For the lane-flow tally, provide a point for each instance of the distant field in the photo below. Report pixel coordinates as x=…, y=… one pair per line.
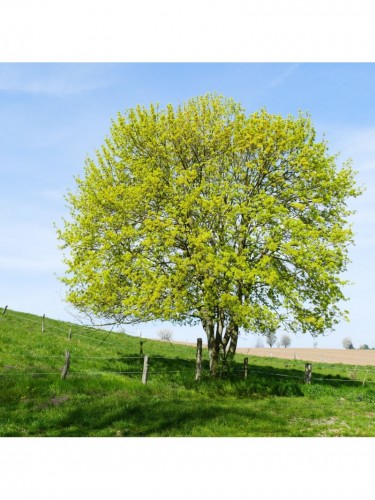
x=345, y=356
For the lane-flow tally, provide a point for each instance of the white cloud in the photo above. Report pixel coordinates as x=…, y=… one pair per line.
x=357, y=143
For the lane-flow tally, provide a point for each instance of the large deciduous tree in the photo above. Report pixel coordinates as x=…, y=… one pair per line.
x=201, y=213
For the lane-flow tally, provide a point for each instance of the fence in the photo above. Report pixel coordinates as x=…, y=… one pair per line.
x=70, y=358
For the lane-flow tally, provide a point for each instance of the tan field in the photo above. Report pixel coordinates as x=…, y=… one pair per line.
x=345, y=356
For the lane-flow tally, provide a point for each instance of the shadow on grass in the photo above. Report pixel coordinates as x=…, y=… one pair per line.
x=171, y=404
x=169, y=418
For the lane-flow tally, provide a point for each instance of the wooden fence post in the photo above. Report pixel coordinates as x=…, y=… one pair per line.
x=64, y=372
x=198, y=372
x=308, y=372
x=145, y=370
x=245, y=366
x=5, y=310
x=44, y=316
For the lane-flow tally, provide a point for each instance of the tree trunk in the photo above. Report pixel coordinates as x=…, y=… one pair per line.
x=220, y=346
x=209, y=328
x=233, y=342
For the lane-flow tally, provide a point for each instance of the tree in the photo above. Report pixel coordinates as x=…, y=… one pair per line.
x=271, y=338
x=347, y=343
x=203, y=214
x=165, y=334
x=285, y=341
x=364, y=347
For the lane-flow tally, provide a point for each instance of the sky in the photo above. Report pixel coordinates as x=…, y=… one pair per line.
x=54, y=115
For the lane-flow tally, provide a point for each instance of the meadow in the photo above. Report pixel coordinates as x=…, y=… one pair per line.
x=103, y=394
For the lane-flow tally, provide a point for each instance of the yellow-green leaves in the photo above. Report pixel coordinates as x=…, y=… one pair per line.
x=202, y=213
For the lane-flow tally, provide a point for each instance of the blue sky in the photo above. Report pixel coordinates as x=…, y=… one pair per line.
x=53, y=115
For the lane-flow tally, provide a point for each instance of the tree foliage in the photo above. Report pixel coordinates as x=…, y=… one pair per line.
x=203, y=214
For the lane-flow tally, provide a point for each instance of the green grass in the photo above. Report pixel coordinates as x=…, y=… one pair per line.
x=96, y=401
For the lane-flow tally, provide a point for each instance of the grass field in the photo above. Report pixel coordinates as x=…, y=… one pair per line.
x=103, y=394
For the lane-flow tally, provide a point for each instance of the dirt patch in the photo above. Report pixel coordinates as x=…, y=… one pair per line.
x=58, y=400
x=54, y=401
x=345, y=356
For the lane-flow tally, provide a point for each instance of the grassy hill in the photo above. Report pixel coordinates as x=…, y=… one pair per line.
x=103, y=394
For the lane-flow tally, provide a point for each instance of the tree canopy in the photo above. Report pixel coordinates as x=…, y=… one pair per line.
x=201, y=213
x=271, y=338
x=285, y=341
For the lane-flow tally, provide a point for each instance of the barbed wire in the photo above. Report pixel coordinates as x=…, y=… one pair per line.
x=28, y=373
x=118, y=358
x=9, y=313
x=77, y=333
x=114, y=358
x=154, y=372
x=250, y=370
x=170, y=371
x=174, y=359
x=106, y=372
x=237, y=370
x=54, y=327
x=31, y=356
x=78, y=356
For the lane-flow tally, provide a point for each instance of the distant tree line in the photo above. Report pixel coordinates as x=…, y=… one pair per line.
x=348, y=344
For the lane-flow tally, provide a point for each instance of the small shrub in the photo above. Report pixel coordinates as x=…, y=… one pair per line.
x=165, y=335
x=347, y=343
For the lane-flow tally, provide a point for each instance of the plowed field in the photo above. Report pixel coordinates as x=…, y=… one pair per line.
x=345, y=356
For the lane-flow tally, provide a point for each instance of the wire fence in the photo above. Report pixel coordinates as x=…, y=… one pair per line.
x=168, y=372
x=54, y=328
x=10, y=371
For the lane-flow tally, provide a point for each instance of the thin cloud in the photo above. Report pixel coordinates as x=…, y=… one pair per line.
x=360, y=143
x=352, y=141
x=56, y=80
x=282, y=77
